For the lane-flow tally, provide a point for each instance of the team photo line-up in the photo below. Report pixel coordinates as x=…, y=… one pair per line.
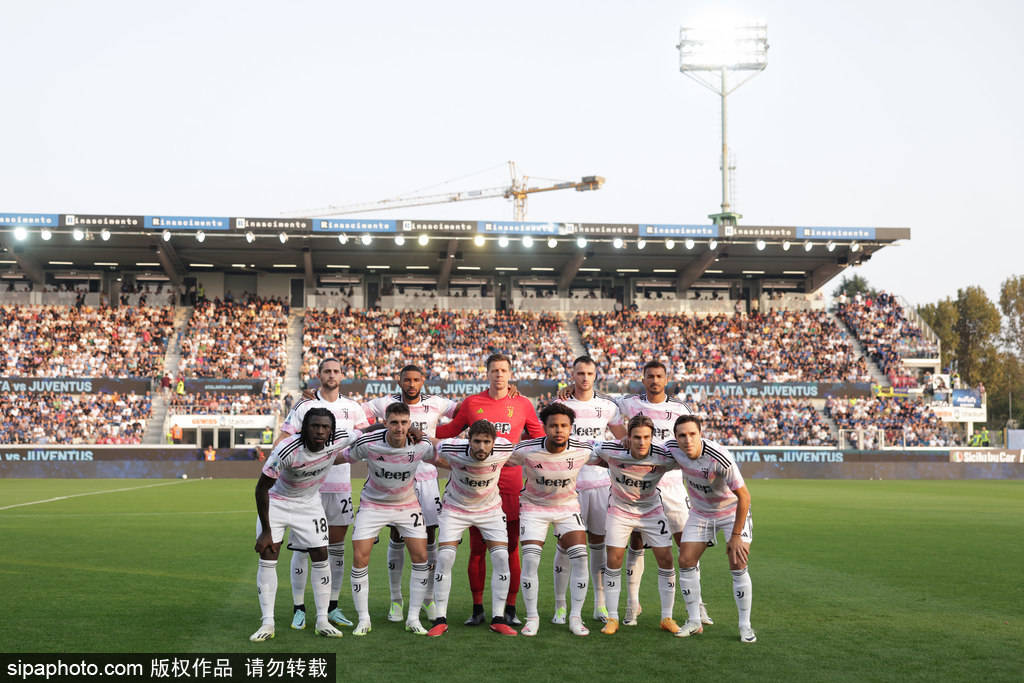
x=656, y=481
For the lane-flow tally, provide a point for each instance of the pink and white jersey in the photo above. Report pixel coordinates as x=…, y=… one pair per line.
x=425, y=414
x=473, y=484
x=300, y=472
x=634, y=488
x=348, y=415
x=663, y=415
x=551, y=477
x=390, y=471
x=591, y=423
x=710, y=479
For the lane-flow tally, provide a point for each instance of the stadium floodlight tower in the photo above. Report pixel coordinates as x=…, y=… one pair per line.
x=723, y=55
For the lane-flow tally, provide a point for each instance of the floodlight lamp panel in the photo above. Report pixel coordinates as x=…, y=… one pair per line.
x=723, y=44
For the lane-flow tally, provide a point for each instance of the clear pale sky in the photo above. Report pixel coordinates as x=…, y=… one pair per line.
x=899, y=114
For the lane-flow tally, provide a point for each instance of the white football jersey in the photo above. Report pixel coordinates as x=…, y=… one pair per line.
x=348, y=415
x=424, y=414
x=473, y=484
x=663, y=415
x=551, y=477
x=710, y=479
x=390, y=471
x=299, y=472
x=591, y=424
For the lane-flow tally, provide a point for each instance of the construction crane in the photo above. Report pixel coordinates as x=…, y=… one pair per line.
x=518, y=190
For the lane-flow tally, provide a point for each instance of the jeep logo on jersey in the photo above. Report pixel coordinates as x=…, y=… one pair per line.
x=588, y=432
x=560, y=483
x=633, y=483
x=397, y=476
x=503, y=427
x=476, y=483
x=699, y=487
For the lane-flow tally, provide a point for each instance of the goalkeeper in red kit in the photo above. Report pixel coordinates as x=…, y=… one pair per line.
x=510, y=416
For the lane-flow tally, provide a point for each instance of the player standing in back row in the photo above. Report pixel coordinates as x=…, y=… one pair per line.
x=335, y=493
x=425, y=412
x=510, y=416
x=595, y=413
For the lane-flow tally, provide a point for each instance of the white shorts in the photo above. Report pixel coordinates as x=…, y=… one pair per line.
x=369, y=522
x=677, y=507
x=594, y=508
x=703, y=530
x=533, y=526
x=339, y=508
x=304, y=518
x=452, y=524
x=430, y=500
x=655, y=530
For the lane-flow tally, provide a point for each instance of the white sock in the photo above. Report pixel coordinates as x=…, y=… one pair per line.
x=561, y=576
x=443, y=578
x=298, y=577
x=689, y=586
x=320, y=575
x=744, y=593
x=431, y=566
x=530, y=556
x=597, y=560
x=579, y=578
x=336, y=555
x=634, y=572
x=499, y=579
x=360, y=580
x=396, y=563
x=612, y=588
x=266, y=588
x=667, y=591
x=418, y=578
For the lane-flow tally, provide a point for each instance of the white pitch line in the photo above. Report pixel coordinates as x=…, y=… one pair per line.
x=90, y=493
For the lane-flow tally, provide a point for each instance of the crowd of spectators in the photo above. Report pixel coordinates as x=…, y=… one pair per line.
x=448, y=345
x=774, y=346
x=880, y=323
x=246, y=338
x=889, y=421
x=82, y=341
x=51, y=418
x=762, y=422
x=223, y=403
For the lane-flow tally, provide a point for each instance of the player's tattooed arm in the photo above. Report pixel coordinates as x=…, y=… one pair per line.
x=567, y=392
x=416, y=435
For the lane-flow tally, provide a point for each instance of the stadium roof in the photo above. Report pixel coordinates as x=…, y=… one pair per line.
x=803, y=258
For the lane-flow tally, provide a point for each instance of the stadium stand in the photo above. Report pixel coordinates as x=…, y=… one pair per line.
x=888, y=336
x=763, y=422
x=83, y=341
x=907, y=422
x=223, y=403
x=448, y=345
x=236, y=339
x=50, y=418
x=778, y=346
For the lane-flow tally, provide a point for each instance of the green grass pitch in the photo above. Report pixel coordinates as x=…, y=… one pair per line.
x=853, y=580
